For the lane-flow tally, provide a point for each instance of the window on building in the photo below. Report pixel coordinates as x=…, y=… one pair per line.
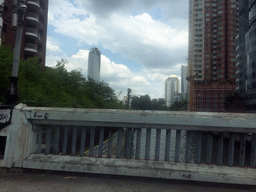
x=198, y=30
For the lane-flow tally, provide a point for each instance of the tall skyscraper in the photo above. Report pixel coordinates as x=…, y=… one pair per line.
x=171, y=89
x=184, y=82
x=94, y=64
x=34, y=29
x=212, y=51
x=246, y=53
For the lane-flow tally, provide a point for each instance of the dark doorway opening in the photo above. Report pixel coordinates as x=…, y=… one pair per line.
x=2, y=146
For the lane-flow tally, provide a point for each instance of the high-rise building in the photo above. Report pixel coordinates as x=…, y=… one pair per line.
x=34, y=28
x=184, y=82
x=171, y=90
x=212, y=51
x=94, y=64
x=246, y=53
x=1, y=20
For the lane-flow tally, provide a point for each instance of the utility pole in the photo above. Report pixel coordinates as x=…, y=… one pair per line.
x=19, y=9
x=128, y=97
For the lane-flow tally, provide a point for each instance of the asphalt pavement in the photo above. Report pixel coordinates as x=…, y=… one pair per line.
x=38, y=181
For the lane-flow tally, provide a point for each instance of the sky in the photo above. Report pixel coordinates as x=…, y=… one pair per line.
x=142, y=42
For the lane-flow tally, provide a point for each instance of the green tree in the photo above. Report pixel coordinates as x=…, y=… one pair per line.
x=54, y=87
x=6, y=58
x=141, y=103
x=178, y=105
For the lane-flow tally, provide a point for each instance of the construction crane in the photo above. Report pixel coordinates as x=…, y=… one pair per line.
x=119, y=95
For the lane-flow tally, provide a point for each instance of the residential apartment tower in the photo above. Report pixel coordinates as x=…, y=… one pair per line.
x=212, y=51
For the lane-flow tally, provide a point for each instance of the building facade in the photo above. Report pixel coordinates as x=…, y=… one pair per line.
x=171, y=90
x=1, y=19
x=246, y=53
x=212, y=48
x=250, y=51
x=94, y=62
x=243, y=22
x=34, y=29
x=184, y=82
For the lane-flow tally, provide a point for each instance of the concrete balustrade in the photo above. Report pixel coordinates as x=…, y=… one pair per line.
x=214, y=147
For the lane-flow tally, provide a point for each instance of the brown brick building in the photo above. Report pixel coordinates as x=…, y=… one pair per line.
x=34, y=31
x=212, y=51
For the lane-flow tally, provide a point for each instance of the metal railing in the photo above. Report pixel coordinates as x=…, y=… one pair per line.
x=35, y=1
x=201, y=138
x=30, y=46
x=33, y=15
x=31, y=30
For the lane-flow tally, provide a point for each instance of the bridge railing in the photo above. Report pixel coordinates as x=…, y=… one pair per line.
x=190, y=137
x=212, y=147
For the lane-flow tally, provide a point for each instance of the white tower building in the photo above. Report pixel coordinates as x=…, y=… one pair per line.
x=94, y=64
x=184, y=82
x=171, y=89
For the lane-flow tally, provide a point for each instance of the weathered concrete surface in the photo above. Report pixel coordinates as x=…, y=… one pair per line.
x=234, y=122
x=143, y=168
x=20, y=141
x=67, y=182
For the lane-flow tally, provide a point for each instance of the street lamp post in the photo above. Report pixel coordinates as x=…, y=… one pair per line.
x=19, y=9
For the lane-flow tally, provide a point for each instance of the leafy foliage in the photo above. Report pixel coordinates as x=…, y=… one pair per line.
x=145, y=103
x=54, y=87
x=179, y=105
x=6, y=58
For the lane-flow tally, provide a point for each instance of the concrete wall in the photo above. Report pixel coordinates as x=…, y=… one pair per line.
x=20, y=139
x=143, y=168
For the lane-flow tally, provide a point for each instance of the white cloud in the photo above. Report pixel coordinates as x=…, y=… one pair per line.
x=52, y=46
x=160, y=47
x=154, y=44
x=118, y=76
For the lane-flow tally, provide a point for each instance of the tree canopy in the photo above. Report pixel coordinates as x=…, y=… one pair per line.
x=145, y=103
x=179, y=105
x=54, y=87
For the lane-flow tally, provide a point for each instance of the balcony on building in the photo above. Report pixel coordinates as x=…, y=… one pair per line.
x=32, y=18
x=31, y=33
x=30, y=48
x=33, y=5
